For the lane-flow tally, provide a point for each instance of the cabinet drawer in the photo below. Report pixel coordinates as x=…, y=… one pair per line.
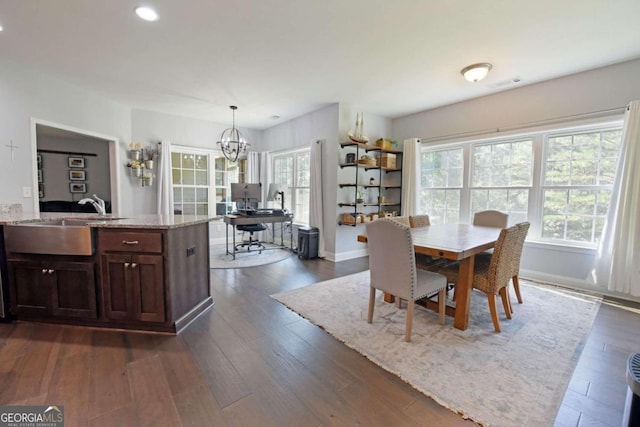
x=130, y=241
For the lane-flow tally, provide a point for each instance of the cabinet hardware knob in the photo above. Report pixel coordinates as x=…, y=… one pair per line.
x=126, y=265
x=44, y=271
x=134, y=265
x=51, y=271
x=129, y=242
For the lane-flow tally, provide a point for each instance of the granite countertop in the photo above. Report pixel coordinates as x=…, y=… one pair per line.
x=151, y=221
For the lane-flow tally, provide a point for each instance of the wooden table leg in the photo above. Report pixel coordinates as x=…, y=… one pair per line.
x=463, y=293
x=389, y=298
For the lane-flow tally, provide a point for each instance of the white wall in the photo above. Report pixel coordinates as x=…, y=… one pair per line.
x=26, y=94
x=591, y=91
x=300, y=132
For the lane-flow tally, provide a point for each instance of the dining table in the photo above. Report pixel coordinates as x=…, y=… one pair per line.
x=455, y=242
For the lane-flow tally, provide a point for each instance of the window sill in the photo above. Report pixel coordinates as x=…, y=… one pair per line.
x=561, y=247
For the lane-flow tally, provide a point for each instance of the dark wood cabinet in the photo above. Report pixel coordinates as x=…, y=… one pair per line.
x=133, y=287
x=45, y=288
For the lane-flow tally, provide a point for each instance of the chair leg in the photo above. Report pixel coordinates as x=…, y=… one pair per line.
x=372, y=300
x=407, y=331
x=505, y=302
x=494, y=311
x=516, y=286
x=442, y=297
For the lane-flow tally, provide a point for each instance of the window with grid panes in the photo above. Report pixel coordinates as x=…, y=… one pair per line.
x=502, y=177
x=441, y=184
x=579, y=170
x=190, y=173
x=293, y=170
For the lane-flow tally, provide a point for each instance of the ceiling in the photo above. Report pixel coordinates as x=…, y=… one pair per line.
x=284, y=58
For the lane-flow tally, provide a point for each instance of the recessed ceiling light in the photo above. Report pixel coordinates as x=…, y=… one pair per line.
x=146, y=13
x=1, y=28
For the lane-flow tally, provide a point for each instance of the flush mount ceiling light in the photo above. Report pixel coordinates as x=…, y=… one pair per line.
x=146, y=13
x=232, y=143
x=476, y=72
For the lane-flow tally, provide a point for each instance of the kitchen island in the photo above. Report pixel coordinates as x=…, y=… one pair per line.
x=148, y=272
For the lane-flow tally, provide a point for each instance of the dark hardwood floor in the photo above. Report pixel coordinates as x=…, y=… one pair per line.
x=251, y=362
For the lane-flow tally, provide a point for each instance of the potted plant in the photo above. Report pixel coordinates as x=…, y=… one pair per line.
x=135, y=151
x=152, y=155
x=136, y=168
x=147, y=179
x=359, y=195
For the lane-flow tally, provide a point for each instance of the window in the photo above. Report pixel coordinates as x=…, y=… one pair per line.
x=293, y=170
x=501, y=178
x=560, y=181
x=441, y=184
x=201, y=181
x=190, y=172
x=578, y=177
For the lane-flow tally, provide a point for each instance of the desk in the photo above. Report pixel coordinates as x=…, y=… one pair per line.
x=456, y=242
x=233, y=220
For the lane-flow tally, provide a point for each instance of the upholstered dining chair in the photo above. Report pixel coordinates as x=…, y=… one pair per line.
x=404, y=220
x=493, y=278
x=425, y=262
x=491, y=218
x=393, y=270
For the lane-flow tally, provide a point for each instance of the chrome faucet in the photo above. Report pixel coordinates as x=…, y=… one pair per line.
x=98, y=203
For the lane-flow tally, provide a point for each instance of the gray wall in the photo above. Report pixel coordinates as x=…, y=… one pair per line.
x=596, y=90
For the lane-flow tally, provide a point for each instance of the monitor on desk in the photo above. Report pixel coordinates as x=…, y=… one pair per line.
x=246, y=195
x=274, y=191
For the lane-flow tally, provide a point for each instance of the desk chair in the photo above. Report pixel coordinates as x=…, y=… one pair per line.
x=250, y=228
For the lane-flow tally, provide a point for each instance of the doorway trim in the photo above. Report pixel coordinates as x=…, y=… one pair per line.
x=114, y=171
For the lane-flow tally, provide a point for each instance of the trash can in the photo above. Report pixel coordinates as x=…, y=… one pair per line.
x=632, y=404
x=308, y=242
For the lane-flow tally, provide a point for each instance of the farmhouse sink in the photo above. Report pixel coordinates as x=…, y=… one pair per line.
x=62, y=236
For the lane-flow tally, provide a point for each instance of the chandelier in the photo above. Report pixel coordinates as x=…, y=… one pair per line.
x=232, y=143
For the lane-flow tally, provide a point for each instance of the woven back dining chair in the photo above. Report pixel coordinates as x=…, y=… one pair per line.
x=393, y=270
x=419, y=220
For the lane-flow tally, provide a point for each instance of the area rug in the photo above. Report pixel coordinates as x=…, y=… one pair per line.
x=218, y=257
x=514, y=378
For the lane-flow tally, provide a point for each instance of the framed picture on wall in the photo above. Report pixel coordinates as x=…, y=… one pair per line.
x=40, y=191
x=39, y=161
x=77, y=175
x=76, y=162
x=39, y=175
x=77, y=187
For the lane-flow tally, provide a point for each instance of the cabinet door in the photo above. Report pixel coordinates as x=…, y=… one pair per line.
x=148, y=287
x=133, y=287
x=117, y=291
x=73, y=290
x=31, y=293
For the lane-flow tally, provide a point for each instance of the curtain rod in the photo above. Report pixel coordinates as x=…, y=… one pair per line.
x=525, y=125
x=69, y=153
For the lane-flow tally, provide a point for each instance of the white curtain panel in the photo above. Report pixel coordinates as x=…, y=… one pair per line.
x=410, y=176
x=253, y=174
x=618, y=259
x=265, y=173
x=165, y=181
x=316, y=210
